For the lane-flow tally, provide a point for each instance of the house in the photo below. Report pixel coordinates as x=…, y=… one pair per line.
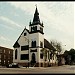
x=6, y=56
x=27, y=48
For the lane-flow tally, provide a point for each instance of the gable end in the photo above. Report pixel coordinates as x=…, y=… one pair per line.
x=16, y=45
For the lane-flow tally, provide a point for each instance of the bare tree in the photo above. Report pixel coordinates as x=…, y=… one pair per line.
x=56, y=45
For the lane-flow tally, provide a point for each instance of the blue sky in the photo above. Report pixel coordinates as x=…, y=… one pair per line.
x=58, y=19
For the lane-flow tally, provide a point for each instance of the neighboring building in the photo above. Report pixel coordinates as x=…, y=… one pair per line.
x=6, y=56
x=27, y=48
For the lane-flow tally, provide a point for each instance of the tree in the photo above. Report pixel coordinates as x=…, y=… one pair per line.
x=72, y=53
x=56, y=45
x=66, y=56
x=70, y=56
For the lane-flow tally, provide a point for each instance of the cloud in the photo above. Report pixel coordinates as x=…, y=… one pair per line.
x=9, y=21
x=5, y=41
x=8, y=27
x=55, y=13
x=4, y=38
x=57, y=17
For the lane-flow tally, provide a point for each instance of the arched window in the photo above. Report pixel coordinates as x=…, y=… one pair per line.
x=41, y=29
x=33, y=58
x=34, y=28
x=16, y=54
x=51, y=56
x=33, y=44
x=41, y=55
x=41, y=44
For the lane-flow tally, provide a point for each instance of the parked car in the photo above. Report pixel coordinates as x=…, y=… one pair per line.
x=13, y=65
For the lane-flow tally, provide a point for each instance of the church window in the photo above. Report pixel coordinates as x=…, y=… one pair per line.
x=24, y=56
x=25, y=47
x=34, y=28
x=33, y=50
x=41, y=55
x=41, y=29
x=41, y=44
x=51, y=56
x=16, y=54
x=33, y=43
x=24, y=34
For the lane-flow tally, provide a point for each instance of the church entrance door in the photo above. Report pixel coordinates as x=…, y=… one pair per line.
x=33, y=61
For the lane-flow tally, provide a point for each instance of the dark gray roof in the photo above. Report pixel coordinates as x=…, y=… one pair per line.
x=48, y=45
x=16, y=45
x=36, y=19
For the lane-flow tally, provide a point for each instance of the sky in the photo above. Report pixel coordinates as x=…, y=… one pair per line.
x=57, y=17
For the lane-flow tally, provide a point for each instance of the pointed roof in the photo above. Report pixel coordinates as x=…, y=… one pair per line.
x=22, y=32
x=16, y=43
x=36, y=16
x=36, y=19
x=48, y=45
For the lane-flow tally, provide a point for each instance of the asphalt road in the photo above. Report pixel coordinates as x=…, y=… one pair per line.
x=39, y=70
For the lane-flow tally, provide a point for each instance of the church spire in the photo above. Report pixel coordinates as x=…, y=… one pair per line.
x=36, y=19
x=36, y=16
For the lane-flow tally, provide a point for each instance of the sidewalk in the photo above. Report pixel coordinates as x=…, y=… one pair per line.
x=48, y=67
x=2, y=66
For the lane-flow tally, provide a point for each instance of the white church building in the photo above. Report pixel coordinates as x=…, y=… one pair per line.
x=27, y=48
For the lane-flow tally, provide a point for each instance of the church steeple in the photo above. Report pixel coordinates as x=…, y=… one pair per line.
x=36, y=19
x=36, y=26
x=36, y=16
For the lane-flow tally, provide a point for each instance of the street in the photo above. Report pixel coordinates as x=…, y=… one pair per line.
x=39, y=70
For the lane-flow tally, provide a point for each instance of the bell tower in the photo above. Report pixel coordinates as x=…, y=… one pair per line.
x=36, y=38
x=36, y=25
